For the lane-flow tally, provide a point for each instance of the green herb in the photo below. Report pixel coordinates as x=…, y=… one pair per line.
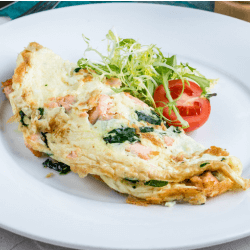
x=131, y=180
x=44, y=138
x=223, y=159
x=46, y=85
x=154, y=183
x=77, y=69
x=202, y=81
x=146, y=129
x=152, y=119
x=41, y=110
x=57, y=166
x=121, y=135
x=177, y=130
x=142, y=68
x=21, y=113
x=127, y=42
x=204, y=164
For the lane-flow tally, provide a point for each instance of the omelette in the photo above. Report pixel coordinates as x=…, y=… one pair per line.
x=78, y=119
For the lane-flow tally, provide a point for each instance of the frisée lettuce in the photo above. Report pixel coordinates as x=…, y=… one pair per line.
x=141, y=69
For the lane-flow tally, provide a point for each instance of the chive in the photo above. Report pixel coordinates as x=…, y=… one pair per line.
x=57, y=166
x=155, y=183
x=46, y=85
x=204, y=164
x=21, y=113
x=146, y=129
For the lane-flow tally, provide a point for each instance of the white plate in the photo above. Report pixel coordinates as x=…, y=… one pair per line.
x=84, y=213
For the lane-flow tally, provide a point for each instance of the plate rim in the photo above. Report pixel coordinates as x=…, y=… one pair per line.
x=90, y=6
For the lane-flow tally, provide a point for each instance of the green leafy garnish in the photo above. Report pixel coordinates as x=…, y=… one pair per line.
x=57, y=166
x=146, y=129
x=154, y=183
x=152, y=119
x=121, y=135
x=21, y=113
x=202, y=81
x=204, y=164
x=223, y=159
x=141, y=69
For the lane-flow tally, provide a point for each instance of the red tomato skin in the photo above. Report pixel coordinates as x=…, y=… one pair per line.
x=196, y=114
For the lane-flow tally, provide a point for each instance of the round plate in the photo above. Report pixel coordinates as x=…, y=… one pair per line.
x=84, y=213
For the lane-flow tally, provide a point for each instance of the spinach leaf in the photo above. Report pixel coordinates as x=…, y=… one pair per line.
x=41, y=110
x=204, y=164
x=152, y=119
x=77, y=69
x=131, y=180
x=146, y=129
x=45, y=139
x=121, y=135
x=57, y=166
x=155, y=183
x=177, y=130
x=21, y=113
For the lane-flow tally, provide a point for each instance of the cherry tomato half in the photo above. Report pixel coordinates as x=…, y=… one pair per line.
x=192, y=107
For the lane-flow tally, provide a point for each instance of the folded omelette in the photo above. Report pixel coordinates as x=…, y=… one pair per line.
x=78, y=119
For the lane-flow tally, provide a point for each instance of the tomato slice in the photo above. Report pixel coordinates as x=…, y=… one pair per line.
x=192, y=107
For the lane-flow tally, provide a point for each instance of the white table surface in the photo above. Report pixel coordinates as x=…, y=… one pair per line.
x=11, y=241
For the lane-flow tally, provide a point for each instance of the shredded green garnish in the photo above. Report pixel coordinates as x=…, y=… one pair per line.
x=142, y=68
